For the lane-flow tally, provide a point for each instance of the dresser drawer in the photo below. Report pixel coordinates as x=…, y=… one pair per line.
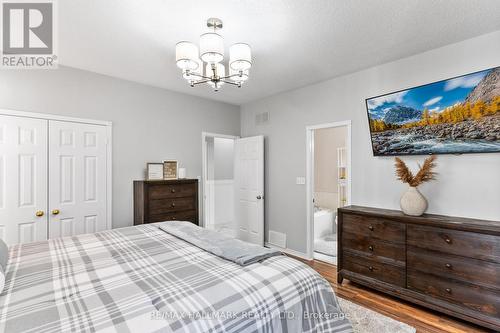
x=160, y=206
x=467, y=296
x=373, y=269
x=373, y=247
x=374, y=227
x=190, y=215
x=171, y=191
x=462, y=243
x=474, y=271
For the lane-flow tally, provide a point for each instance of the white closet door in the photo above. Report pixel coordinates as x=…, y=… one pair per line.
x=249, y=182
x=23, y=179
x=77, y=175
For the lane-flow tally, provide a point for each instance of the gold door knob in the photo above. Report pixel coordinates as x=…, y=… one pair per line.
x=55, y=211
x=39, y=213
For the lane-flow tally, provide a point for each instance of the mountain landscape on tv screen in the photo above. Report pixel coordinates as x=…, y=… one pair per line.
x=459, y=115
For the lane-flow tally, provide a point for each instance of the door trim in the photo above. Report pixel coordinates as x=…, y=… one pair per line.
x=48, y=116
x=204, y=136
x=109, y=149
x=310, y=175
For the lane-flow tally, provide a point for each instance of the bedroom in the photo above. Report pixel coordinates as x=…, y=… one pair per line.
x=113, y=106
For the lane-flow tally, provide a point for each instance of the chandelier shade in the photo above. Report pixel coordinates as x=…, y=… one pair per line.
x=240, y=57
x=211, y=47
x=186, y=56
x=206, y=66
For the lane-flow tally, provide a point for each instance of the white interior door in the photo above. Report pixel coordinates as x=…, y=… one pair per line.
x=249, y=183
x=23, y=179
x=77, y=174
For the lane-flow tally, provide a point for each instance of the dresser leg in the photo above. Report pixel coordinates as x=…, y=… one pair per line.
x=340, y=278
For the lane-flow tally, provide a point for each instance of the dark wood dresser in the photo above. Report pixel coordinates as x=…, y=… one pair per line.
x=449, y=264
x=163, y=200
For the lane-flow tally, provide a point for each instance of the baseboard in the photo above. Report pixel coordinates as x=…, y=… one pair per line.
x=288, y=251
x=325, y=258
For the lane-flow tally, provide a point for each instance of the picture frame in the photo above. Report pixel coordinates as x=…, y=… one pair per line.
x=155, y=171
x=170, y=169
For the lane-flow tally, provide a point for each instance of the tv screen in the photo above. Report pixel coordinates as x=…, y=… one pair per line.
x=455, y=116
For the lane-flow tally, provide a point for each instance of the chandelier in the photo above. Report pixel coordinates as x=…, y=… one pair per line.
x=206, y=65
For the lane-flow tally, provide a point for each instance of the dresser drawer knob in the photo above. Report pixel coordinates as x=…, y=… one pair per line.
x=370, y=268
x=447, y=240
x=448, y=266
x=172, y=190
x=173, y=204
x=371, y=228
x=173, y=218
x=448, y=290
x=370, y=248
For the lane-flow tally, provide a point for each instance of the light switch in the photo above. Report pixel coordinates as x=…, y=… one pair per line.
x=300, y=181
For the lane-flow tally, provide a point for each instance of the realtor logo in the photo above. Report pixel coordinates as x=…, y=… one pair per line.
x=28, y=35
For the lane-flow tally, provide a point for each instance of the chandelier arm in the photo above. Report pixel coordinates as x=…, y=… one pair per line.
x=199, y=82
x=229, y=82
x=230, y=76
x=200, y=76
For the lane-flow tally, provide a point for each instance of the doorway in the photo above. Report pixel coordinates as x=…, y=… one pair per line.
x=328, y=185
x=218, y=183
x=233, y=186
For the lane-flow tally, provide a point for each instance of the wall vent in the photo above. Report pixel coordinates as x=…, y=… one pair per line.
x=277, y=239
x=262, y=118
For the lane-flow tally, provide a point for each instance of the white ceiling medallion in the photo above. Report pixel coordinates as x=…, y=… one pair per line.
x=210, y=69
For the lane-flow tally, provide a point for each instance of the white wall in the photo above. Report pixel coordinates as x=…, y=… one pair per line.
x=220, y=183
x=149, y=124
x=326, y=142
x=224, y=182
x=467, y=185
x=223, y=158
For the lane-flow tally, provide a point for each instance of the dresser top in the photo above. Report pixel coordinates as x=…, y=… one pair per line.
x=452, y=222
x=167, y=181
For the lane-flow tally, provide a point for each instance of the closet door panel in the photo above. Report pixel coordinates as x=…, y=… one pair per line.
x=77, y=164
x=23, y=179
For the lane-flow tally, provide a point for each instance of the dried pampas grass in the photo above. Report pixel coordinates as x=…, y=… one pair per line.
x=425, y=173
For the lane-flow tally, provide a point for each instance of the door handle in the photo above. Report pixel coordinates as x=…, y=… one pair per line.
x=55, y=211
x=259, y=197
x=39, y=213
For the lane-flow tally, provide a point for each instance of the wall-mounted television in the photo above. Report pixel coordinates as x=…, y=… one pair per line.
x=455, y=116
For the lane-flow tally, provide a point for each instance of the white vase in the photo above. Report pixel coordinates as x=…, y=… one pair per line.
x=413, y=202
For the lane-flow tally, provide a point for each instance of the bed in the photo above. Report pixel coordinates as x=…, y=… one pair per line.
x=143, y=279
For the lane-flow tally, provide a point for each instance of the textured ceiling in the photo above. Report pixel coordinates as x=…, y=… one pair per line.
x=294, y=42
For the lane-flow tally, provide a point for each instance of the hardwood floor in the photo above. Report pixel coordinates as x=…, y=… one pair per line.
x=424, y=320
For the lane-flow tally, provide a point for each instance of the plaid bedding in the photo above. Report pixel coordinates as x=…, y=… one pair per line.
x=142, y=279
